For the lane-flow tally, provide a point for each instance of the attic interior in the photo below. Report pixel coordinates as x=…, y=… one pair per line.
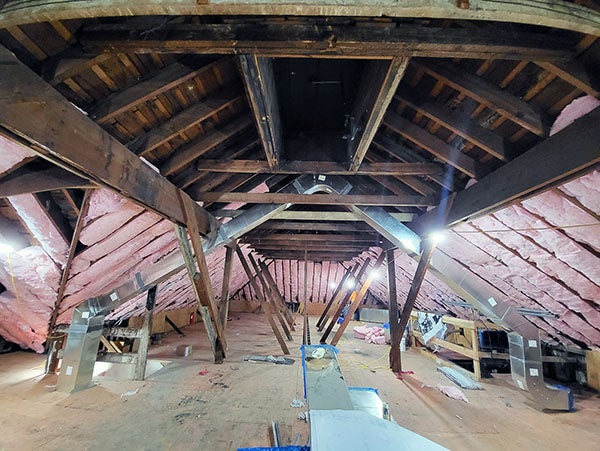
x=234, y=179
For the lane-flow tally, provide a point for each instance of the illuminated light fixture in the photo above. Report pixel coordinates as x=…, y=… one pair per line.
x=6, y=248
x=437, y=237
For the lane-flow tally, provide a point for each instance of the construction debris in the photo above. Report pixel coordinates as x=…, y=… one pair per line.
x=460, y=379
x=268, y=359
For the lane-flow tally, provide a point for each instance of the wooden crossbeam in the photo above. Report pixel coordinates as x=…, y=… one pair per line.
x=574, y=73
x=379, y=83
x=488, y=94
x=274, y=39
x=24, y=180
x=317, y=167
x=41, y=123
x=315, y=226
x=458, y=123
x=316, y=199
x=259, y=81
x=338, y=256
x=303, y=237
x=436, y=146
x=328, y=215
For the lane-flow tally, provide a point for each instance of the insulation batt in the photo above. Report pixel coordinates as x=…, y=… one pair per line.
x=39, y=224
x=585, y=189
x=12, y=154
x=573, y=111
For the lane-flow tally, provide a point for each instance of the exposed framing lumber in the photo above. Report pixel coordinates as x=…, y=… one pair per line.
x=328, y=226
x=395, y=332
x=106, y=161
x=304, y=237
x=328, y=215
x=24, y=181
x=434, y=145
x=274, y=39
x=458, y=123
x=358, y=299
x=317, y=167
x=145, y=332
x=259, y=81
x=379, y=84
x=64, y=277
x=325, y=315
x=548, y=13
x=311, y=255
x=542, y=167
x=486, y=93
x=575, y=73
x=224, y=308
x=267, y=307
x=276, y=293
x=316, y=199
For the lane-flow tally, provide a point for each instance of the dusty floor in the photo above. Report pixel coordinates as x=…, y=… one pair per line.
x=233, y=404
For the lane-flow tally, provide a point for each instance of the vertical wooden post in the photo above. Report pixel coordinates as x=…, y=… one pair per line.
x=395, y=332
x=345, y=300
x=146, y=331
x=224, y=310
x=357, y=300
x=276, y=293
x=265, y=305
x=323, y=317
x=475, y=347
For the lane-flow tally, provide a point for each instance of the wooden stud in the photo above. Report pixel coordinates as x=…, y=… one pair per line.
x=395, y=332
x=140, y=367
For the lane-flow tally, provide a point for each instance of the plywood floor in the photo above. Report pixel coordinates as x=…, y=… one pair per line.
x=233, y=404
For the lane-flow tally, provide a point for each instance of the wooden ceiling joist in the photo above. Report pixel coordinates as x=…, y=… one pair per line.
x=276, y=39
x=316, y=199
x=437, y=147
x=488, y=94
x=259, y=81
x=314, y=226
x=332, y=216
x=50, y=178
x=302, y=237
x=317, y=167
x=82, y=148
x=575, y=73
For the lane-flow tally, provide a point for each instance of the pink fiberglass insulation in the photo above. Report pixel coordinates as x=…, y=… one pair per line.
x=107, y=213
x=41, y=227
x=13, y=154
x=586, y=189
x=31, y=279
x=559, y=212
x=573, y=111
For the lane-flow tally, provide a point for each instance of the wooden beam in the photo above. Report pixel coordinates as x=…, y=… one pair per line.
x=331, y=216
x=436, y=146
x=146, y=331
x=312, y=247
x=542, y=167
x=312, y=256
x=224, y=308
x=41, y=124
x=574, y=73
x=267, y=307
x=191, y=116
x=357, y=300
x=275, y=39
x=317, y=167
x=325, y=315
x=36, y=180
x=379, y=83
x=259, y=81
x=187, y=154
x=276, y=293
x=395, y=332
x=316, y=199
x=458, y=123
x=315, y=226
x=123, y=100
x=304, y=237
x=486, y=93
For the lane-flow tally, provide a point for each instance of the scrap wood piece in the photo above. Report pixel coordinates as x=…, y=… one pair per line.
x=460, y=379
x=268, y=359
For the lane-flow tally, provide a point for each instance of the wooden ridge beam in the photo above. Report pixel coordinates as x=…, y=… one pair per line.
x=272, y=39
x=316, y=199
x=436, y=146
x=187, y=154
x=458, y=123
x=317, y=167
x=191, y=116
x=378, y=85
x=486, y=93
x=41, y=124
x=259, y=81
x=542, y=167
x=123, y=100
x=24, y=180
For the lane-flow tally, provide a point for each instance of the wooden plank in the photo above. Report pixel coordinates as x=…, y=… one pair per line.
x=358, y=299
x=41, y=123
x=274, y=39
x=144, y=90
x=487, y=94
x=24, y=180
x=315, y=226
x=259, y=81
x=317, y=167
x=276, y=293
x=395, y=332
x=267, y=307
x=325, y=315
x=331, y=216
x=574, y=73
x=303, y=237
x=204, y=144
x=436, y=146
x=380, y=81
x=140, y=364
x=592, y=360
x=195, y=114
x=542, y=167
x=458, y=123
x=316, y=199
x=224, y=309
